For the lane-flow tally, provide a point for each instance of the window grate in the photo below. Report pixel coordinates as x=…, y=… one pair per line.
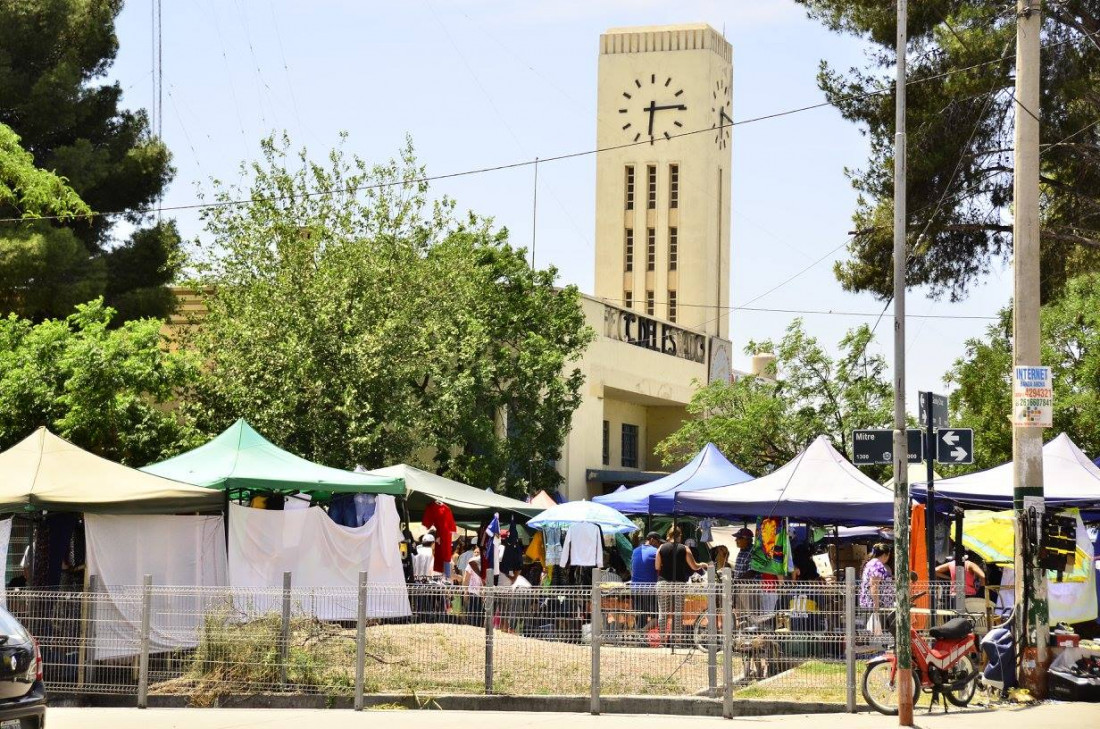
x=673, y=248
x=650, y=249
x=673, y=186
x=630, y=187
x=628, y=250
x=651, y=187
x=630, y=446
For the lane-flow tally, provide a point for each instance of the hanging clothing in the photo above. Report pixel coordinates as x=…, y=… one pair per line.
x=536, y=550
x=512, y=558
x=552, y=535
x=438, y=515
x=583, y=546
x=341, y=509
x=770, y=547
x=364, y=508
x=705, y=526
x=490, y=539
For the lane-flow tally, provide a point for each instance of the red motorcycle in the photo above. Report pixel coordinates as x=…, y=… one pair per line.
x=947, y=668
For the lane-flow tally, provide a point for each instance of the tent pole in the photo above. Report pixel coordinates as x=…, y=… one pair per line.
x=225, y=521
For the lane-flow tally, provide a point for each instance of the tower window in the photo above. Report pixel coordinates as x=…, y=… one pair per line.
x=651, y=187
x=649, y=303
x=650, y=249
x=628, y=299
x=630, y=187
x=628, y=253
x=606, y=443
x=673, y=186
x=630, y=446
x=673, y=248
x=672, y=306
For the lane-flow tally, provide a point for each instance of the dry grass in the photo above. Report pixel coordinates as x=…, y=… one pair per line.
x=428, y=658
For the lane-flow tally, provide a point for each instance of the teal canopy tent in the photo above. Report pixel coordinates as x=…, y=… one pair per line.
x=240, y=459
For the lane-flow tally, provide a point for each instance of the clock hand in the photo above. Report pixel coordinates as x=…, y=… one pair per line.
x=723, y=115
x=680, y=107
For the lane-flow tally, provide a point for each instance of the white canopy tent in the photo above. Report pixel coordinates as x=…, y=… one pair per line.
x=818, y=485
x=45, y=472
x=1070, y=479
x=422, y=486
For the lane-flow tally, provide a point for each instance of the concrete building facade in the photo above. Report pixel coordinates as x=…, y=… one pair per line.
x=660, y=309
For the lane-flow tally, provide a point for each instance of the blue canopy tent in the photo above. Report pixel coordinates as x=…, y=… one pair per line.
x=708, y=470
x=819, y=485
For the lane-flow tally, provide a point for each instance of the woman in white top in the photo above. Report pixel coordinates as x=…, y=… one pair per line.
x=472, y=582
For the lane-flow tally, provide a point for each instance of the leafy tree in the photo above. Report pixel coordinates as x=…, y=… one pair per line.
x=53, y=57
x=960, y=124
x=29, y=192
x=357, y=322
x=761, y=423
x=1071, y=347
x=105, y=388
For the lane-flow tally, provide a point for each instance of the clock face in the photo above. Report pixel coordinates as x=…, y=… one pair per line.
x=652, y=108
x=720, y=110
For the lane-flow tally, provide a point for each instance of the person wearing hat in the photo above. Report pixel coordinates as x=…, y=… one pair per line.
x=743, y=539
x=424, y=557
x=643, y=580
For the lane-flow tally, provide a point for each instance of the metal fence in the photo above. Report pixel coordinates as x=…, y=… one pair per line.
x=800, y=641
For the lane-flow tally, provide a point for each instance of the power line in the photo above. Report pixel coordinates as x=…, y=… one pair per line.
x=526, y=163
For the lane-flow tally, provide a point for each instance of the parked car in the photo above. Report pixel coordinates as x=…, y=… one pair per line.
x=22, y=693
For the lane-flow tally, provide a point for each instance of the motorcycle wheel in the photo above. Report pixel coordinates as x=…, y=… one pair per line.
x=961, y=697
x=880, y=691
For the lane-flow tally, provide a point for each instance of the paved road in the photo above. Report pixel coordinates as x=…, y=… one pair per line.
x=1050, y=716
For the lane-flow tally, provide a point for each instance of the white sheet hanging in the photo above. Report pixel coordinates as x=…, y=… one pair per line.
x=5, y=540
x=320, y=554
x=180, y=551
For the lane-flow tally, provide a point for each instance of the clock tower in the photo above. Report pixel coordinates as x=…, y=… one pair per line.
x=664, y=110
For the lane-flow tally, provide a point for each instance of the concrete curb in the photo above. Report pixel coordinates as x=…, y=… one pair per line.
x=683, y=706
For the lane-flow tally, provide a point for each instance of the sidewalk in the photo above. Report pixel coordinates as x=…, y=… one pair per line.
x=1050, y=716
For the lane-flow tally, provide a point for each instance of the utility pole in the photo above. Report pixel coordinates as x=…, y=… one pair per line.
x=1027, y=442
x=901, y=445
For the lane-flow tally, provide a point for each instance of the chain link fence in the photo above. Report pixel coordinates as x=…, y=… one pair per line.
x=796, y=641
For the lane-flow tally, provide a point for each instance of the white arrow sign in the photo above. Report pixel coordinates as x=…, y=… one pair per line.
x=955, y=445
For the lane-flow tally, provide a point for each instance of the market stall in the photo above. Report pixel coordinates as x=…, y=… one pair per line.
x=709, y=469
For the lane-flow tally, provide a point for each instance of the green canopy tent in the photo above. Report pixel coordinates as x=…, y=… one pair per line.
x=240, y=459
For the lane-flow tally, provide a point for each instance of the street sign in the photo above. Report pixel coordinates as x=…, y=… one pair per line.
x=877, y=446
x=939, y=410
x=955, y=445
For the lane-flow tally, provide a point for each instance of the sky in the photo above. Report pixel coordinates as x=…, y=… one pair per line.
x=481, y=83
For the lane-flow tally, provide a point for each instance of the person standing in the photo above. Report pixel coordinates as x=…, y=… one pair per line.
x=643, y=580
x=675, y=565
x=974, y=577
x=876, y=587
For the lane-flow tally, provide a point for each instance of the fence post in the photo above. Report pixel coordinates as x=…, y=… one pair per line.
x=143, y=665
x=597, y=630
x=960, y=587
x=360, y=641
x=712, y=632
x=727, y=642
x=488, y=606
x=87, y=630
x=850, y=635
x=284, y=632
